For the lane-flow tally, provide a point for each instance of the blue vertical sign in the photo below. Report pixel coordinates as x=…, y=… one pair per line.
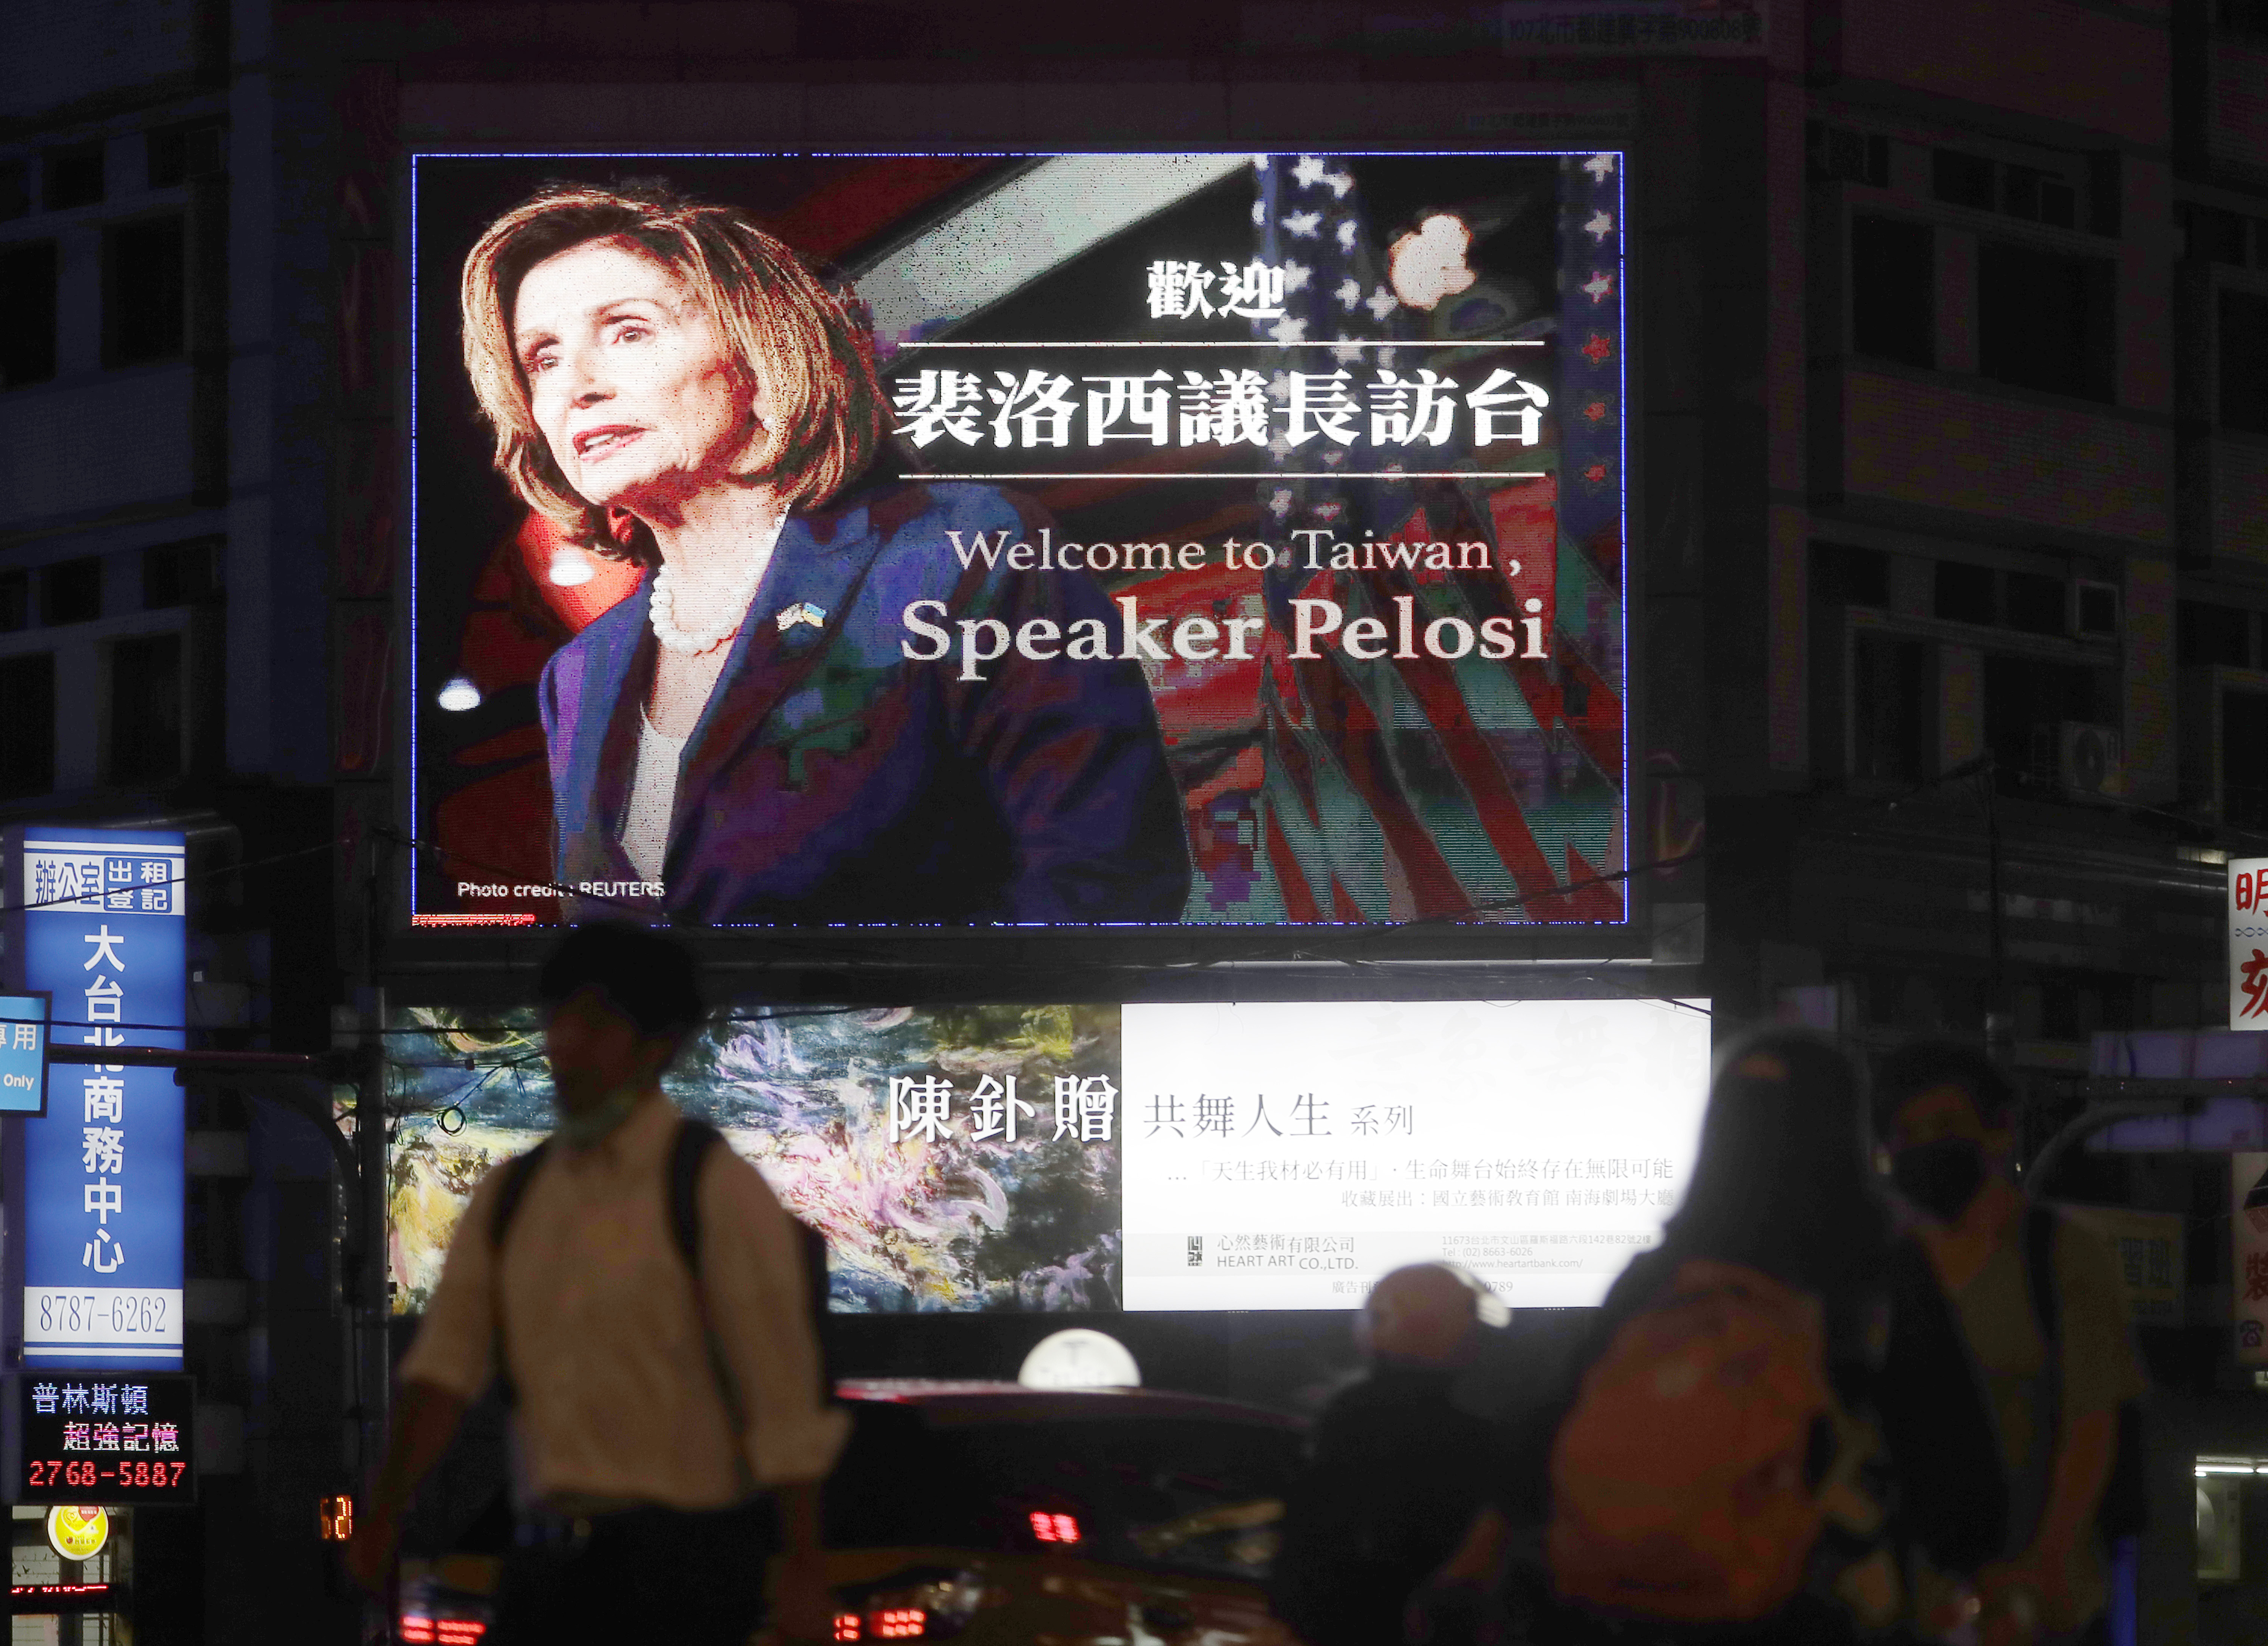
x=98, y=925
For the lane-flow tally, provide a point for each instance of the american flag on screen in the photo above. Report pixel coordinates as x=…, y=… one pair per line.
x=1431, y=787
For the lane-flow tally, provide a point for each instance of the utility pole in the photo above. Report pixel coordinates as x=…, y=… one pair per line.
x=1999, y=1023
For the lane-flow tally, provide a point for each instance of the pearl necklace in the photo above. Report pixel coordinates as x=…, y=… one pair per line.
x=661, y=604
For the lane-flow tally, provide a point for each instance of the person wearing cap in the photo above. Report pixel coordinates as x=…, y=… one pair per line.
x=2036, y=1297
x=670, y=1425
x=1398, y=1466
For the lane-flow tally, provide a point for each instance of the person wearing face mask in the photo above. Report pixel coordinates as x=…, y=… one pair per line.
x=2036, y=1299
x=655, y=1345
x=1398, y=1465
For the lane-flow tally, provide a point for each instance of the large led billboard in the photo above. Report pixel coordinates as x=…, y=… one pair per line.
x=980, y=541
x=1143, y=1156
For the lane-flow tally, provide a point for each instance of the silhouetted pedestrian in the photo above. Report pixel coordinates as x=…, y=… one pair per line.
x=1706, y=1468
x=1397, y=1466
x=2035, y=1295
x=643, y=1294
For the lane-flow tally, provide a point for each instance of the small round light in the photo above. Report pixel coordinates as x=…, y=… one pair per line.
x=459, y=695
x=1079, y=1359
x=570, y=567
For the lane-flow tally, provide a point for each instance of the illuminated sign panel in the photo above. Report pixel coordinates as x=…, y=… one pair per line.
x=1136, y=1156
x=1243, y=544
x=106, y=1437
x=23, y=1053
x=1285, y=1156
x=99, y=926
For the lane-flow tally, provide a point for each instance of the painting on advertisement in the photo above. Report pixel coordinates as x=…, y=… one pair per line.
x=953, y=1157
x=977, y=540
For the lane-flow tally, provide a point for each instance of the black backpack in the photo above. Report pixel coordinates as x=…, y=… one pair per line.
x=688, y=1151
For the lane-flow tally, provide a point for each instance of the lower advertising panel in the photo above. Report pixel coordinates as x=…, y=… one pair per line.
x=1144, y=1156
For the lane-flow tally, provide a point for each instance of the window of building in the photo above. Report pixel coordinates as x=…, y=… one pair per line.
x=27, y=730
x=2245, y=17
x=2097, y=608
x=1965, y=594
x=2244, y=361
x=1838, y=154
x=181, y=574
x=145, y=278
x=15, y=189
x=2034, y=604
x=146, y=709
x=2215, y=235
x=1846, y=575
x=2205, y=634
x=1894, y=290
x=70, y=592
x=74, y=177
x=27, y=314
x=2106, y=192
x=2244, y=760
x=14, y=601
x=1963, y=179
x=179, y=153
x=2027, y=702
x=2046, y=320
x=2038, y=196
x=1893, y=714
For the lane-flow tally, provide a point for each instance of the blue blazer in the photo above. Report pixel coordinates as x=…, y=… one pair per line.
x=832, y=780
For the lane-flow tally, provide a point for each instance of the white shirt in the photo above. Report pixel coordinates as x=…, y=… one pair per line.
x=654, y=796
x=618, y=1398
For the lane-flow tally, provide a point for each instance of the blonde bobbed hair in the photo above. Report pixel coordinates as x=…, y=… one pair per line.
x=781, y=328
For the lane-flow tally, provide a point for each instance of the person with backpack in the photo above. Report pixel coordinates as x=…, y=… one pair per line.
x=2036, y=1300
x=1707, y=1469
x=644, y=1298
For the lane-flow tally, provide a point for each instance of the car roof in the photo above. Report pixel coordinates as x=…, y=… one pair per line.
x=958, y=1400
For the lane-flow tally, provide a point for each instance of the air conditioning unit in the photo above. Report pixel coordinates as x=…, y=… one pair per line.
x=2088, y=766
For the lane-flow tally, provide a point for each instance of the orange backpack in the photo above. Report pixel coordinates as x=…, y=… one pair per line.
x=1681, y=1485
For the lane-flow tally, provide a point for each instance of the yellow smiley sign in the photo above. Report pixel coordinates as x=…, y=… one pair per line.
x=76, y=1533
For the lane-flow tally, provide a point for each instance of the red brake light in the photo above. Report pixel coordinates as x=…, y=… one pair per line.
x=899, y=1623
x=1053, y=1528
x=420, y=1630
x=846, y=1627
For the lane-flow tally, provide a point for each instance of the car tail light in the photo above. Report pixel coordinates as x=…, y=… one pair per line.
x=420, y=1630
x=888, y=1623
x=921, y=1603
x=1055, y=1528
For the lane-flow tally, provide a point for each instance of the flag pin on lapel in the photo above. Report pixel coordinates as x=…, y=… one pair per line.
x=802, y=612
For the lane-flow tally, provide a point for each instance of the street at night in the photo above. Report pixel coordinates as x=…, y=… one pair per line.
x=1238, y=825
